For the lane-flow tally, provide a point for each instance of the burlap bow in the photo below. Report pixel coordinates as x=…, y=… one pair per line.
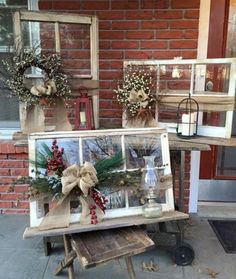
x=48, y=88
x=83, y=177
x=138, y=97
x=144, y=117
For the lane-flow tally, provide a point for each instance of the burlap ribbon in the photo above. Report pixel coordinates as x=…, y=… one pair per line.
x=48, y=88
x=144, y=117
x=139, y=97
x=84, y=177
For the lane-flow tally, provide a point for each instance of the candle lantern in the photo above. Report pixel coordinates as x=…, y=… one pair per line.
x=84, y=118
x=187, y=118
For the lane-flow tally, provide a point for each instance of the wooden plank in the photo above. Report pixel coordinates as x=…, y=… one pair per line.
x=95, y=66
x=202, y=140
x=97, y=247
x=130, y=267
x=94, y=48
x=17, y=31
x=76, y=83
x=187, y=146
x=66, y=262
x=55, y=17
x=57, y=37
x=106, y=224
x=68, y=249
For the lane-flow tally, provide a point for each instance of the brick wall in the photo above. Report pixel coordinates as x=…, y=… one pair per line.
x=134, y=29
x=13, y=165
x=142, y=29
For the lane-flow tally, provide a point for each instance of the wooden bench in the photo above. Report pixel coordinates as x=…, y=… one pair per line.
x=98, y=247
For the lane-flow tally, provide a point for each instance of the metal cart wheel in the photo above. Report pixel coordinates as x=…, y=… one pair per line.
x=183, y=254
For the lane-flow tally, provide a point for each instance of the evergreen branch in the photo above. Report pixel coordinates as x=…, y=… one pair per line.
x=106, y=164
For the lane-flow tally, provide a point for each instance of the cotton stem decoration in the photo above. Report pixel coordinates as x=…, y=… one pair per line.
x=136, y=96
x=177, y=72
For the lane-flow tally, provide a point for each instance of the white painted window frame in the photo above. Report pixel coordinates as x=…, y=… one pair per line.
x=203, y=130
x=37, y=207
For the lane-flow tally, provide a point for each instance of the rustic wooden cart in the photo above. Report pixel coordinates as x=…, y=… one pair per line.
x=127, y=241
x=75, y=232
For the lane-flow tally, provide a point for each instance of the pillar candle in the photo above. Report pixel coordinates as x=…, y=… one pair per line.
x=188, y=124
x=82, y=117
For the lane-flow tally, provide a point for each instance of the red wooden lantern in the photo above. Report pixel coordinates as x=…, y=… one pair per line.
x=84, y=119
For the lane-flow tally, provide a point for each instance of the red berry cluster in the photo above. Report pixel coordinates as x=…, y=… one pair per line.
x=100, y=202
x=92, y=212
x=99, y=199
x=55, y=163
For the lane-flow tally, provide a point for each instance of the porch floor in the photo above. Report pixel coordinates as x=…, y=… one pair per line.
x=25, y=259
x=217, y=210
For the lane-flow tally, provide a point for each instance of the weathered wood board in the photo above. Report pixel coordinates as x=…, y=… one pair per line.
x=199, y=140
x=97, y=247
x=106, y=224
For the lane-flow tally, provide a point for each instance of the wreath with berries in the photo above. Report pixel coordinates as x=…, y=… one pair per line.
x=51, y=65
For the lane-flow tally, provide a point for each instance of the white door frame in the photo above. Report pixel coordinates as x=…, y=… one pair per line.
x=203, y=28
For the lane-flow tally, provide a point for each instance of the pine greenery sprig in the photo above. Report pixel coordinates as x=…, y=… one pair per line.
x=108, y=179
x=107, y=164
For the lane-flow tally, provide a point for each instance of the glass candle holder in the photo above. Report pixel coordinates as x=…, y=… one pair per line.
x=150, y=183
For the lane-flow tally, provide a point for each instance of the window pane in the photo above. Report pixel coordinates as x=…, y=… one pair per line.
x=9, y=106
x=17, y=2
x=9, y=109
x=226, y=161
x=6, y=22
x=75, y=48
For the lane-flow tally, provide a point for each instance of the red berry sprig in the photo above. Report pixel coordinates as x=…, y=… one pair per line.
x=55, y=163
x=92, y=212
x=99, y=199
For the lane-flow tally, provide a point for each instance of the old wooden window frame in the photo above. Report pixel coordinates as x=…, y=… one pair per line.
x=37, y=206
x=203, y=130
x=90, y=81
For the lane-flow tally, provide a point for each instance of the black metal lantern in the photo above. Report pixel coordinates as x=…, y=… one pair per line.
x=187, y=118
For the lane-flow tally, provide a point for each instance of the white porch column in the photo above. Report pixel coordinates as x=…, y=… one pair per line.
x=204, y=18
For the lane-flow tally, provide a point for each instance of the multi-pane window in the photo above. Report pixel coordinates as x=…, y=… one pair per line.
x=9, y=106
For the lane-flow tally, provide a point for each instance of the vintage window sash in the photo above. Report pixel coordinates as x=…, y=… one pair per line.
x=208, y=101
x=9, y=127
x=88, y=80
x=37, y=206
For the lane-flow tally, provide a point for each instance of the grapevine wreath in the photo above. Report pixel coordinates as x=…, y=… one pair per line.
x=55, y=83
